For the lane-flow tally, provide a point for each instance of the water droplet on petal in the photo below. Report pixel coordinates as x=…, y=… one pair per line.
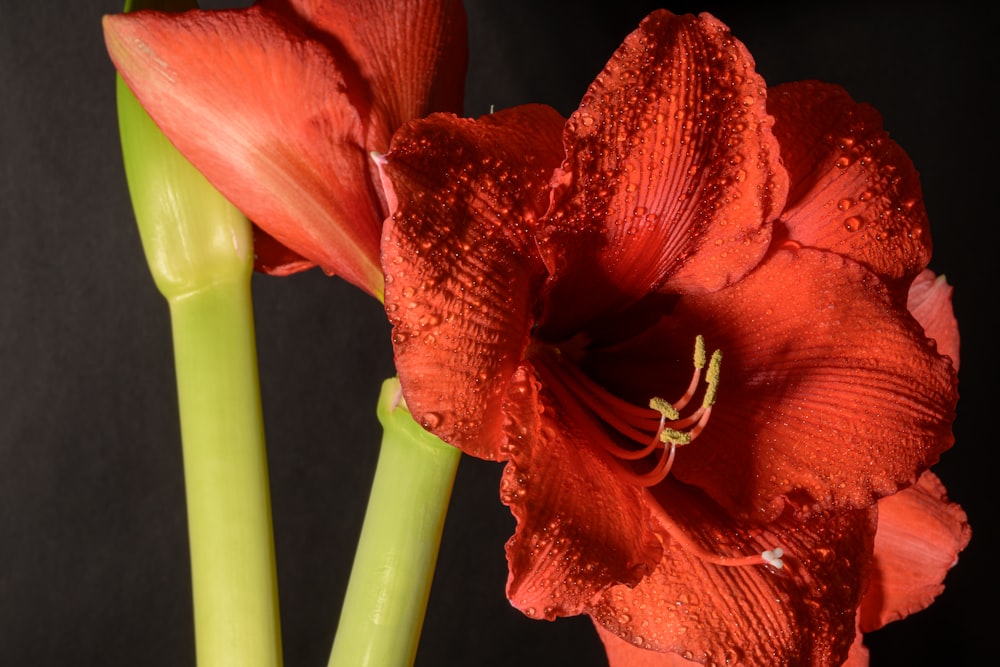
x=854, y=223
x=430, y=420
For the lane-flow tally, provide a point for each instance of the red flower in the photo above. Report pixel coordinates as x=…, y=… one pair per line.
x=547, y=281
x=280, y=105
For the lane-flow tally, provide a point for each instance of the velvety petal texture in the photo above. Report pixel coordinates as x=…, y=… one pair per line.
x=547, y=282
x=280, y=104
x=682, y=196
x=920, y=534
x=460, y=277
x=802, y=614
x=929, y=300
x=566, y=551
x=855, y=191
x=409, y=56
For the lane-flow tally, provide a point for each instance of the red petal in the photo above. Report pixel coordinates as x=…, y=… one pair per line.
x=853, y=190
x=410, y=54
x=858, y=655
x=671, y=172
x=920, y=534
x=830, y=396
x=622, y=654
x=580, y=529
x=803, y=614
x=929, y=301
x=461, y=273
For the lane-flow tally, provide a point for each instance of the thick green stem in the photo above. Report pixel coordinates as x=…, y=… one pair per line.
x=225, y=473
x=390, y=582
x=200, y=252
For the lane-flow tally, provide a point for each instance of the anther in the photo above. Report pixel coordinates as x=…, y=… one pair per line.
x=699, y=352
x=699, y=364
x=672, y=436
x=712, y=379
x=664, y=407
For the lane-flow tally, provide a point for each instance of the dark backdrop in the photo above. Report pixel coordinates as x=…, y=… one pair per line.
x=93, y=560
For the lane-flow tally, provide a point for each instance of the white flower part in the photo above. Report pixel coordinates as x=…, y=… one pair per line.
x=773, y=558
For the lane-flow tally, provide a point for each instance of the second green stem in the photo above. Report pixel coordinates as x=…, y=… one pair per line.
x=390, y=583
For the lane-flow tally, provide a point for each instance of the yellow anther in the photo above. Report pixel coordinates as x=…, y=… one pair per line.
x=712, y=379
x=664, y=407
x=699, y=352
x=669, y=435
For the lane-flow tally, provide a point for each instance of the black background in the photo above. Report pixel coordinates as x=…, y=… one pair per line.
x=93, y=560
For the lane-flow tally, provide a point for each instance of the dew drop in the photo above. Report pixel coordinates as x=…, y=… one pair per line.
x=845, y=204
x=430, y=420
x=854, y=223
x=429, y=320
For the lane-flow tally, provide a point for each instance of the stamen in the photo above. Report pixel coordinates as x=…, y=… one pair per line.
x=662, y=469
x=699, y=363
x=712, y=379
x=658, y=430
x=674, y=437
x=664, y=408
x=632, y=421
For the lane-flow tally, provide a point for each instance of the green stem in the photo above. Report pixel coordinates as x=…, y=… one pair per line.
x=199, y=248
x=225, y=473
x=390, y=582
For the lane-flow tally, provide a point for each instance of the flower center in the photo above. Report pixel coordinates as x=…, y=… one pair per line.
x=651, y=435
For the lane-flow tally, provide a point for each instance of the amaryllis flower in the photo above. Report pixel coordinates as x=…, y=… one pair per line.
x=281, y=104
x=681, y=317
